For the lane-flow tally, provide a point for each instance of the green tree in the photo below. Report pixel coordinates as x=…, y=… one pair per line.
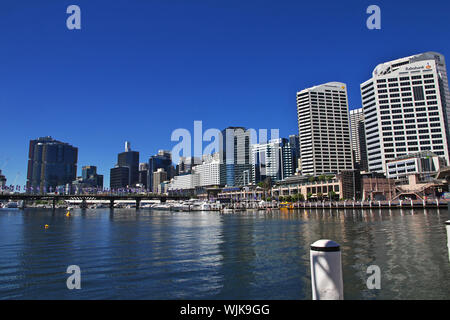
x=300, y=197
x=320, y=195
x=288, y=198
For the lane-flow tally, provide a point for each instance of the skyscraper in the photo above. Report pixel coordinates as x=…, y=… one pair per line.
x=406, y=107
x=128, y=159
x=294, y=142
x=272, y=160
x=324, y=129
x=163, y=160
x=358, y=137
x=50, y=163
x=143, y=171
x=119, y=177
x=235, y=154
x=2, y=179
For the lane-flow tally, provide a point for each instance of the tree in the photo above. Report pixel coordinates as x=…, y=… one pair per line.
x=320, y=195
x=281, y=198
x=311, y=179
x=288, y=198
x=309, y=195
x=332, y=195
x=322, y=177
x=300, y=197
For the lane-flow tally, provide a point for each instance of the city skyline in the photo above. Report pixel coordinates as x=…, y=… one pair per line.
x=76, y=111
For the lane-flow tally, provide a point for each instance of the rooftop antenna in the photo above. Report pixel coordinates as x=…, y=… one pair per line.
x=127, y=146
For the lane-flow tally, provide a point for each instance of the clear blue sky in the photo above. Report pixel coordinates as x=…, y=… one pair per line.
x=139, y=69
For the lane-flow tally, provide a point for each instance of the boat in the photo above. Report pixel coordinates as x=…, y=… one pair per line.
x=161, y=206
x=11, y=204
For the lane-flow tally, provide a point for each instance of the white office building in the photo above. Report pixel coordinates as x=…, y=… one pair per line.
x=211, y=174
x=323, y=127
x=184, y=182
x=406, y=107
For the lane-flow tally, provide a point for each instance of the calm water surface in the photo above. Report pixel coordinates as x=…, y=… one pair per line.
x=129, y=254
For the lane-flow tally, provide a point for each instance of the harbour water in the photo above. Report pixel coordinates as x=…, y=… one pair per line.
x=148, y=254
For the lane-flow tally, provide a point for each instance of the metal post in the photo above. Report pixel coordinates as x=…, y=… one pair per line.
x=326, y=270
x=447, y=226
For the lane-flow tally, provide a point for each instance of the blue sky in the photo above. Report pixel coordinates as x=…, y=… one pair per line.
x=139, y=69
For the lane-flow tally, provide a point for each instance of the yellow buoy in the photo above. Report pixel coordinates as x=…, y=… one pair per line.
x=46, y=226
x=68, y=214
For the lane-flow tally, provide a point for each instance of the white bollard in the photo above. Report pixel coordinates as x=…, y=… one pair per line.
x=447, y=226
x=326, y=270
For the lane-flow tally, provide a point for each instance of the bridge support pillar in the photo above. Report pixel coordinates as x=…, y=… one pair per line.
x=163, y=199
x=138, y=204
x=54, y=203
x=111, y=204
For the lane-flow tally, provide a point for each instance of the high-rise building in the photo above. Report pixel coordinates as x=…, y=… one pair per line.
x=2, y=179
x=143, y=171
x=406, y=108
x=211, y=174
x=119, y=177
x=159, y=176
x=324, y=129
x=294, y=142
x=50, y=163
x=130, y=159
x=163, y=160
x=235, y=154
x=272, y=160
x=358, y=136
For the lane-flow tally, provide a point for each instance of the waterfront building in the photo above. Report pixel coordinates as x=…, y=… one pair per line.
x=406, y=107
x=345, y=185
x=235, y=154
x=143, y=170
x=50, y=163
x=159, y=176
x=2, y=179
x=119, y=177
x=425, y=163
x=324, y=129
x=375, y=186
x=358, y=136
x=162, y=160
x=272, y=160
x=294, y=142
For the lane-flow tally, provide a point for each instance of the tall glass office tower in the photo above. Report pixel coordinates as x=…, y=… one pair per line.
x=50, y=163
x=235, y=154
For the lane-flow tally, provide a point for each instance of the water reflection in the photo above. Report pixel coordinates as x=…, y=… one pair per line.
x=143, y=254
